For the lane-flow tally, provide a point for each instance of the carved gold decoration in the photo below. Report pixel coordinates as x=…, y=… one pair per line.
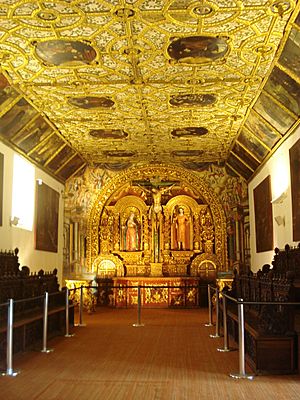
x=158, y=292
x=107, y=266
x=166, y=173
x=205, y=266
x=119, y=50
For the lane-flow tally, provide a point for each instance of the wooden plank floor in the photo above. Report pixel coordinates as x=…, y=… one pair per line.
x=171, y=358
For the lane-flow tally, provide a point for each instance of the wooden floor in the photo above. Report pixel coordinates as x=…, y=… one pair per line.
x=171, y=357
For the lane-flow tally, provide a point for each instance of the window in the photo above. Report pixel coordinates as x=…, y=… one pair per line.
x=23, y=193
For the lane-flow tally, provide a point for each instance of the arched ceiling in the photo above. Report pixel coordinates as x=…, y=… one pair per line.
x=122, y=82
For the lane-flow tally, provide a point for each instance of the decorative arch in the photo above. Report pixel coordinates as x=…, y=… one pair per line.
x=165, y=172
x=122, y=204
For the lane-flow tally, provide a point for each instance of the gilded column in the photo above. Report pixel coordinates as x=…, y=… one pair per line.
x=116, y=230
x=145, y=231
x=197, y=239
x=167, y=230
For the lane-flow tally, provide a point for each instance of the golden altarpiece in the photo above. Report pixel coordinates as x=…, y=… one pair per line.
x=158, y=227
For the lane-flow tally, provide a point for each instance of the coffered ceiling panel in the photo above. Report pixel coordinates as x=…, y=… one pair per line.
x=124, y=82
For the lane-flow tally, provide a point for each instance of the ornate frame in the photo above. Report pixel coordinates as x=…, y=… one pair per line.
x=165, y=172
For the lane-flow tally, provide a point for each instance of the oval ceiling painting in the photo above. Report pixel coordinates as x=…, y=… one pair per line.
x=187, y=153
x=198, y=49
x=108, y=133
x=118, y=153
x=65, y=52
x=91, y=102
x=192, y=99
x=189, y=132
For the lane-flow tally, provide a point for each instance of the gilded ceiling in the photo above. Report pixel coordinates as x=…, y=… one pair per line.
x=125, y=82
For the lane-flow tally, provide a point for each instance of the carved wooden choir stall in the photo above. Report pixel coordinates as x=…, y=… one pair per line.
x=271, y=331
x=18, y=283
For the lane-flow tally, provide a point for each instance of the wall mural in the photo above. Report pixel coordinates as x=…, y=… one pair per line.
x=81, y=190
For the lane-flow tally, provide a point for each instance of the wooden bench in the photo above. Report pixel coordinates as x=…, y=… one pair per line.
x=28, y=330
x=265, y=354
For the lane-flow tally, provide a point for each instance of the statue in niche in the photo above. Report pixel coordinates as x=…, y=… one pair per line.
x=132, y=233
x=181, y=230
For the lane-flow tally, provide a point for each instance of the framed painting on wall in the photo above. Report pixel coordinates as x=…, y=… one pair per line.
x=1, y=186
x=295, y=188
x=263, y=216
x=46, y=223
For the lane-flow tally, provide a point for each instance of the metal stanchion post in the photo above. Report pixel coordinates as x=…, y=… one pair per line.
x=210, y=315
x=9, y=347
x=242, y=374
x=225, y=330
x=139, y=309
x=67, y=315
x=81, y=308
x=217, y=334
x=45, y=324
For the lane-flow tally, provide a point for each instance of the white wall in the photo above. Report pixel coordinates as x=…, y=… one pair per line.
x=278, y=167
x=12, y=237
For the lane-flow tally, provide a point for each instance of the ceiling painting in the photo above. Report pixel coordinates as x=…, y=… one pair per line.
x=89, y=102
x=198, y=49
x=189, y=132
x=117, y=83
x=64, y=52
x=108, y=134
x=192, y=99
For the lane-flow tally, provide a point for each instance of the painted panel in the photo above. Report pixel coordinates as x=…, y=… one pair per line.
x=285, y=89
x=46, y=226
x=33, y=134
x=295, y=188
x=252, y=144
x=245, y=156
x=72, y=166
x=238, y=166
x=47, y=149
x=273, y=114
x=61, y=158
x=7, y=93
x=263, y=216
x=264, y=132
x=198, y=49
x=14, y=120
x=290, y=56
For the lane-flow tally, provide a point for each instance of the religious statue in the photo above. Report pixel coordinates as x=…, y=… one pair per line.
x=132, y=234
x=181, y=222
